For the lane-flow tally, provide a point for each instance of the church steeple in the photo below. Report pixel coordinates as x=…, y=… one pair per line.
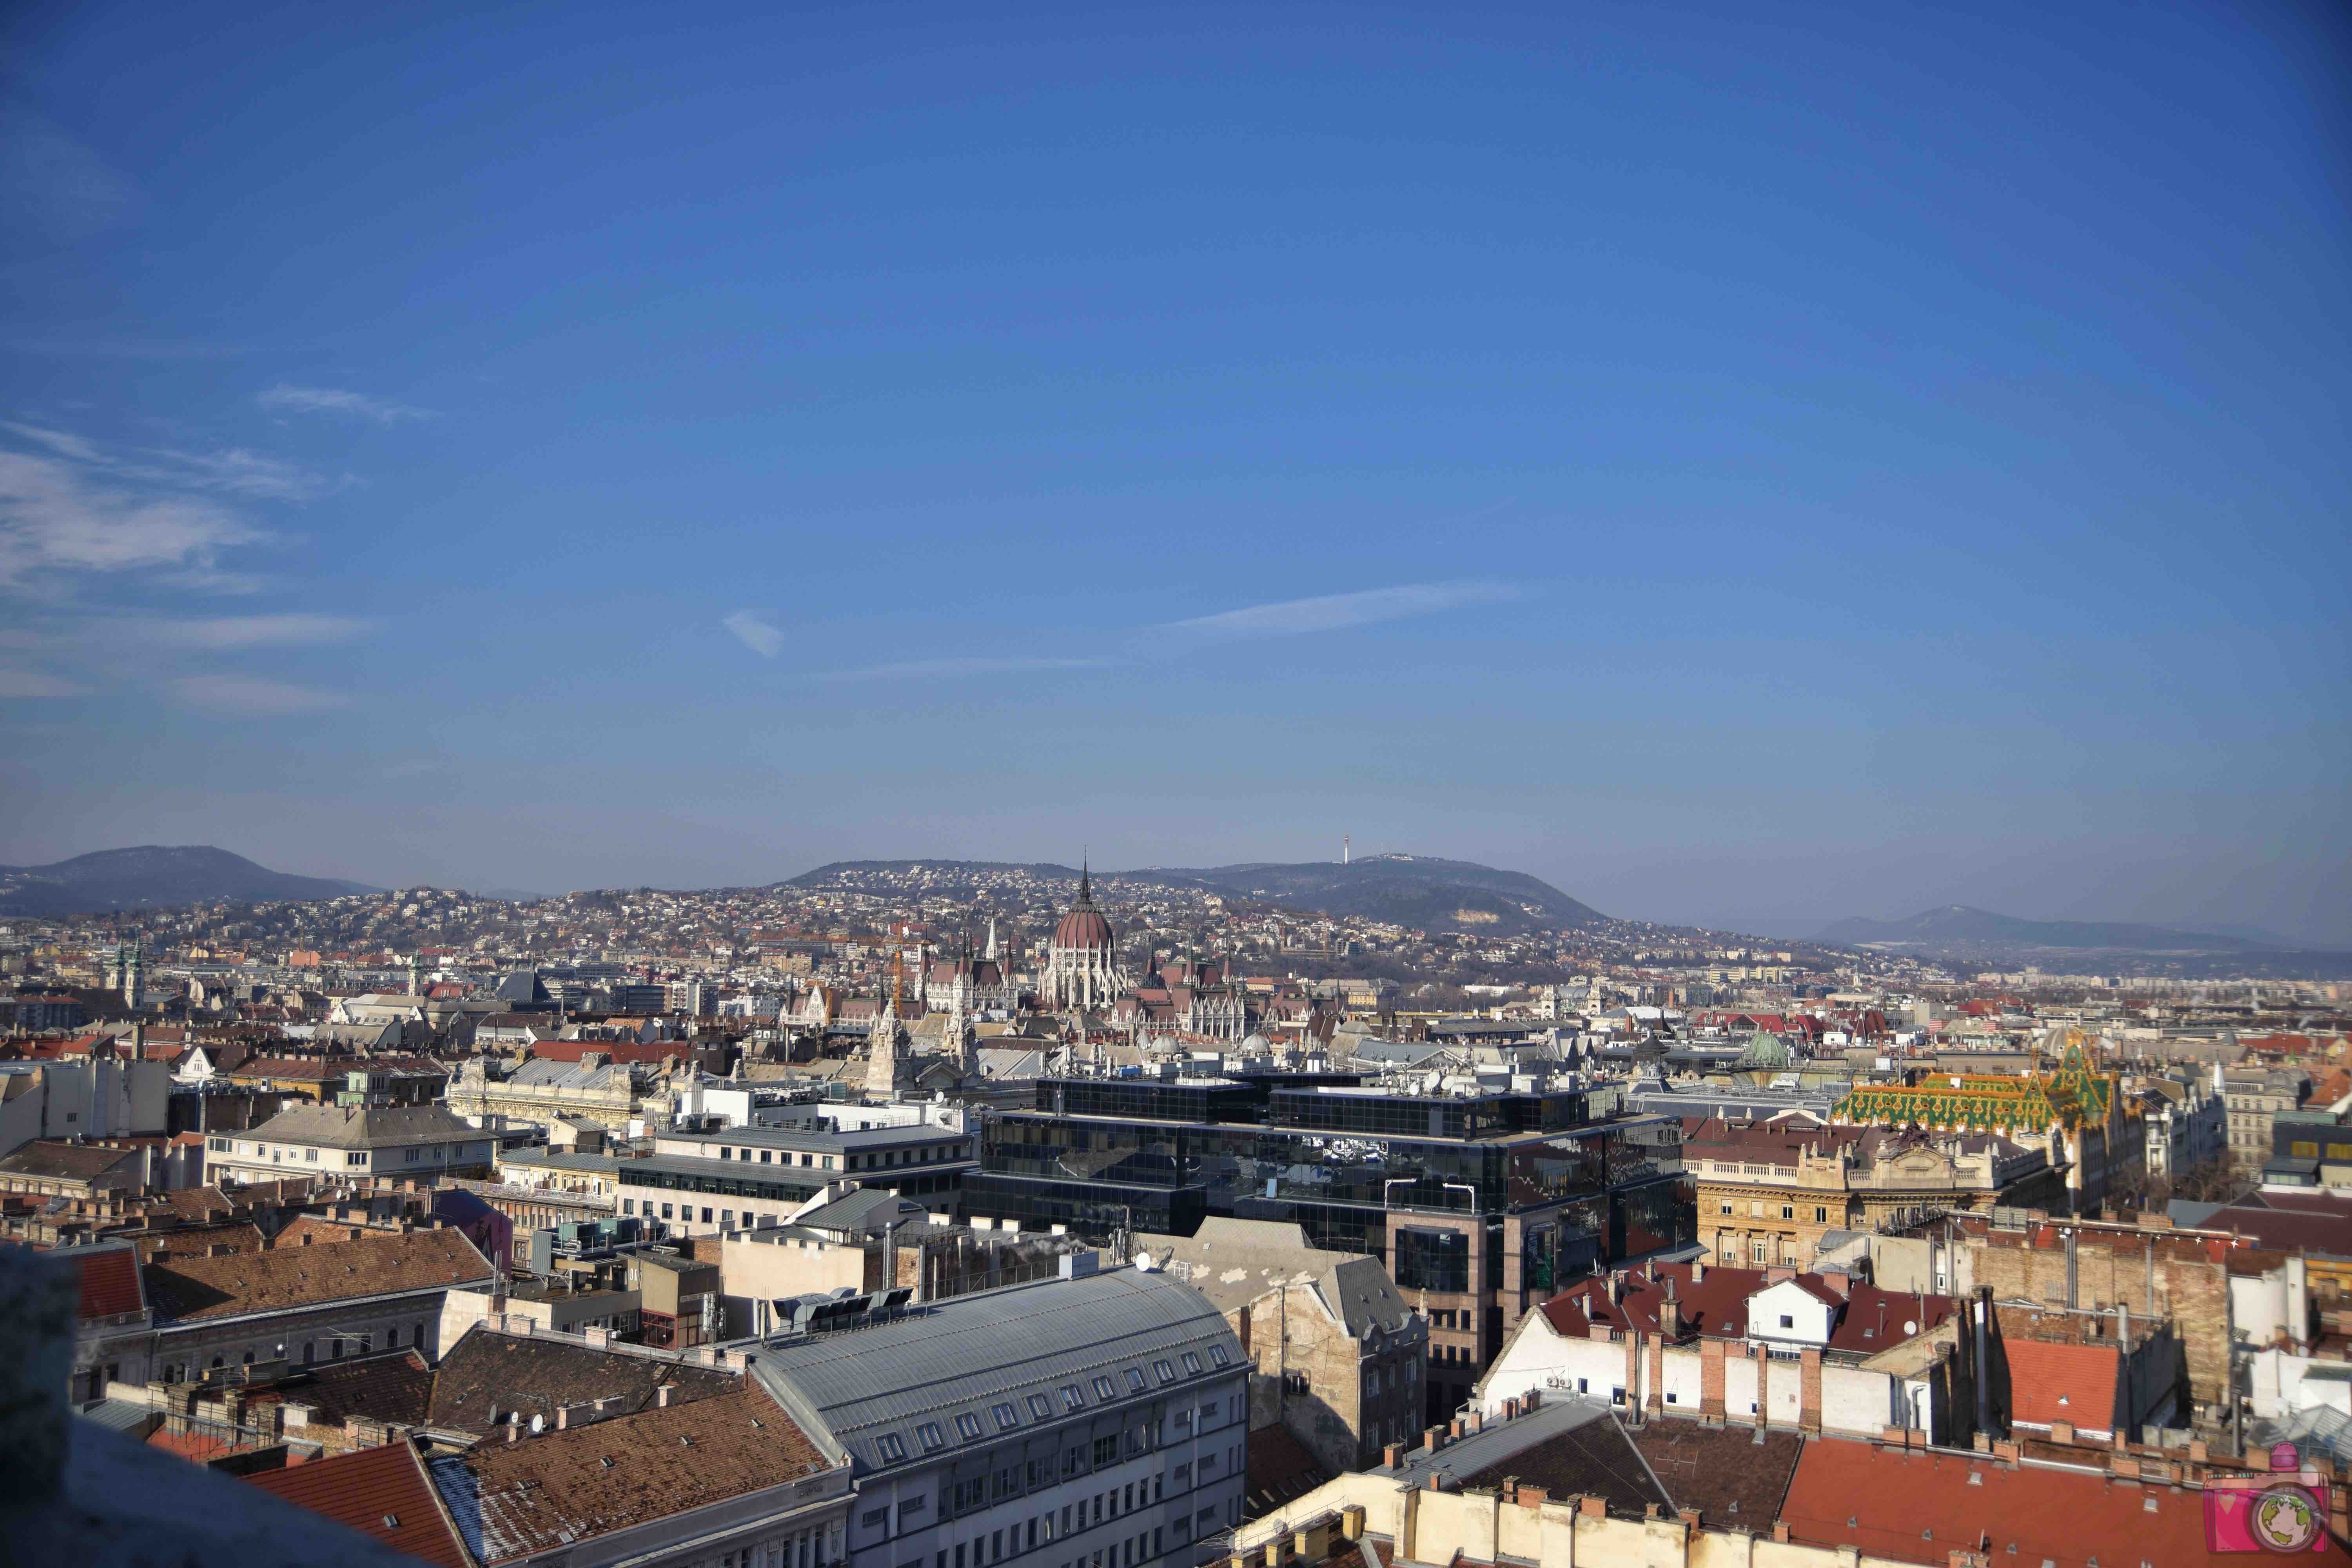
x=1086, y=881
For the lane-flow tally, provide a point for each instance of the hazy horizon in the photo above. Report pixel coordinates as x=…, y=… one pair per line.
x=1746, y=470
x=1784, y=928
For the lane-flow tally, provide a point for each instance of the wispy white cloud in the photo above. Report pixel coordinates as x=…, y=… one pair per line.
x=237, y=471
x=1334, y=612
x=252, y=695
x=234, y=470
x=64, y=443
x=254, y=631
x=33, y=683
x=333, y=400
x=754, y=631
x=53, y=518
x=954, y=668
x=1289, y=617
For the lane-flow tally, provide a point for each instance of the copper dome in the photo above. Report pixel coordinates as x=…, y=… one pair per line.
x=1083, y=926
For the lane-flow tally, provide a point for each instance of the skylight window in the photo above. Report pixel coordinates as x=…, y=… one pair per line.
x=1041, y=1407
x=1134, y=1381
x=1192, y=1364
x=1166, y=1371
x=929, y=1435
x=891, y=1448
x=1217, y=1354
x=1072, y=1398
x=1006, y=1417
x=968, y=1425
x=1103, y=1389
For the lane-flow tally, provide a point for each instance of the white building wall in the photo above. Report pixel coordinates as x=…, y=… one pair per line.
x=1853, y=1400
x=1741, y=1393
x=1784, y=1383
x=1540, y=1358
x=1680, y=1370
x=2258, y=1306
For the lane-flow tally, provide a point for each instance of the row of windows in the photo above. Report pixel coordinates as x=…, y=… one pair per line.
x=631, y=1175
x=1142, y=1547
x=926, y=1155
x=1758, y=1209
x=307, y=1154
x=1006, y=1417
x=313, y=1352
x=1071, y=1519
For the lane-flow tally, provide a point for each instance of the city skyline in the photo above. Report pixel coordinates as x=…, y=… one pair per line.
x=1744, y=475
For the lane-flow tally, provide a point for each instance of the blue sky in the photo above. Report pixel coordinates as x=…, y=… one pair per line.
x=1744, y=467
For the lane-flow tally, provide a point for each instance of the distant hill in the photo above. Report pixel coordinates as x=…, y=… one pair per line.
x=1958, y=926
x=833, y=869
x=1414, y=890
x=155, y=876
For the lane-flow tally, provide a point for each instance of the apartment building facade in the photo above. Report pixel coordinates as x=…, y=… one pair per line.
x=1099, y=1420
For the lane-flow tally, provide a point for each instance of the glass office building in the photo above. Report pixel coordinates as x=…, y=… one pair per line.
x=1480, y=1205
x=1160, y=1156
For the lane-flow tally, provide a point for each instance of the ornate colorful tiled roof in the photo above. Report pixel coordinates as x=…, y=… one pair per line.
x=2073, y=1096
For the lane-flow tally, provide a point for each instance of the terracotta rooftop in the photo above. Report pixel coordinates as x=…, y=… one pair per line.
x=395, y=1388
x=1715, y=1305
x=2053, y=1383
x=1570, y=1450
x=486, y=1376
x=109, y=1281
x=52, y=1161
x=1722, y=1472
x=1914, y=1507
x=564, y=1487
x=303, y=1276
x=383, y=1492
x=196, y=1240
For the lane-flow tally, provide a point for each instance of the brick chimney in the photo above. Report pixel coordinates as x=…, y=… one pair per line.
x=1393, y=1457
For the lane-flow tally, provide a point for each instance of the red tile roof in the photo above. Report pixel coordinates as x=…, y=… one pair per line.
x=109, y=1282
x=1914, y=1507
x=1868, y=1320
x=2076, y=1383
x=380, y=1493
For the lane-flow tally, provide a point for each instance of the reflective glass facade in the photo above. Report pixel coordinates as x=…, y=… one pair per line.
x=1337, y=1163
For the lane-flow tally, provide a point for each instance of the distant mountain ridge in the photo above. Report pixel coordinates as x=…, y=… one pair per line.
x=1957, y=926
x=155, y=876
x=1419, y=891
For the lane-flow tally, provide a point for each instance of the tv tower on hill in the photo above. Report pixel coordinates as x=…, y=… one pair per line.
x=1347, y=848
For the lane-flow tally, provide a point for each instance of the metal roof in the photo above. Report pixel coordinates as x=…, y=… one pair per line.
x=969, y=1355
